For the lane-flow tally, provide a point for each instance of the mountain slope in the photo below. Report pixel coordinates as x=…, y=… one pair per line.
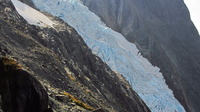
x=118, y=53
x=165, y=35
x=74, y=78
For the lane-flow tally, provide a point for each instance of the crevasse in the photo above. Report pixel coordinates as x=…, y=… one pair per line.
x=117, y=52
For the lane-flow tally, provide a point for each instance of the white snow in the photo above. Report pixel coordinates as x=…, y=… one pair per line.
x=117, y=52
x=31, y=15
x=194, y=8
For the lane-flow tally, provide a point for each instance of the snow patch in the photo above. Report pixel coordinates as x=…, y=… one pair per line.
x=31, y=15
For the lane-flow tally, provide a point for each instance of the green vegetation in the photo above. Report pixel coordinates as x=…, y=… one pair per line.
x=71, y=77
x=70, y=74
x=78, y=102
x=19, y=32
x=10, y=64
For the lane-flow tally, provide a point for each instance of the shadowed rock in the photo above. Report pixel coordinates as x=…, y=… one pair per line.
x=20, y=91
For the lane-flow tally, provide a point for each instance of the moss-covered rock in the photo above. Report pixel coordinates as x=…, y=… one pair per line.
x=9, y=64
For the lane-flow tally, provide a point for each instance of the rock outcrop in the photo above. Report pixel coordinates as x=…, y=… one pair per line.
x=20, y=91
x=165, y=35
x=74, y=78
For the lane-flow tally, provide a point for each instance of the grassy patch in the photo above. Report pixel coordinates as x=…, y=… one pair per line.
x=70, y=74
x=19, y=32
x=10, y=64
x=71, y=77
x=78, y=102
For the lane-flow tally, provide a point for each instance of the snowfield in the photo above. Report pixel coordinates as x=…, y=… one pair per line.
x=31, y=15
x=117, y=52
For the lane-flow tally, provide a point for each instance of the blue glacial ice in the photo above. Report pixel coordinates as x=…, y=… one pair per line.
x=122, y=56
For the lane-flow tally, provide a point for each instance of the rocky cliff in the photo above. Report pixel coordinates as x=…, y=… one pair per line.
x=164, y=34
x=54, y=68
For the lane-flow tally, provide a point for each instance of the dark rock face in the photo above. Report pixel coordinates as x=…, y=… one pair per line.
x=29, y=2
x=59, y=58
x=100, y=110
x=1, y=104
x=165, y=35
x=19, y=90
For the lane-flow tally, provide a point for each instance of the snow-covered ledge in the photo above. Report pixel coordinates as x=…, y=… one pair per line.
x=31, y=15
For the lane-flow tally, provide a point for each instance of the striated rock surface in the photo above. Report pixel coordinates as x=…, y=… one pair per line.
x=57, y=57
x=165, y=35
x=19, y=90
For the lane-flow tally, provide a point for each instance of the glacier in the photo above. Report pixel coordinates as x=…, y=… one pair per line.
x=122, y=56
